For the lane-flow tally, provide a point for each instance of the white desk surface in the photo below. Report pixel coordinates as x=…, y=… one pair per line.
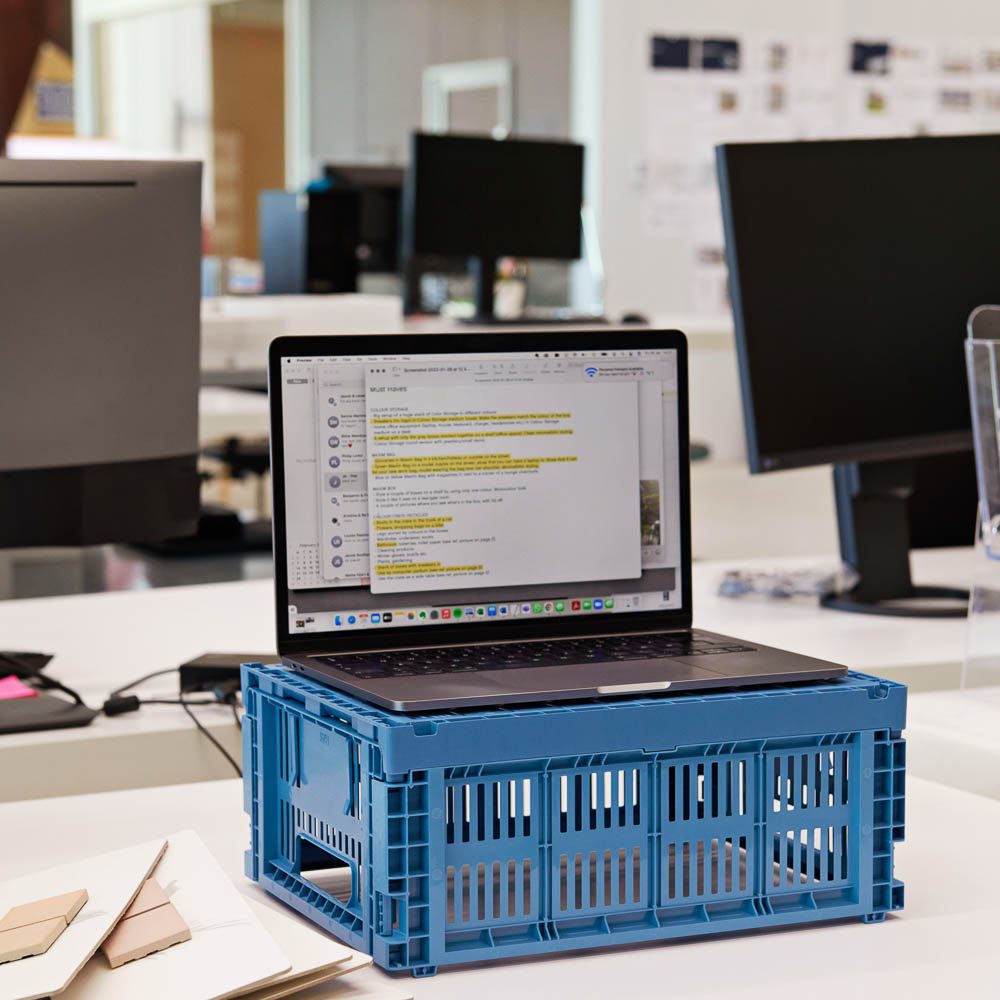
x=102, y=641
x=943, y=943
x=925, y=653
x=954, y=737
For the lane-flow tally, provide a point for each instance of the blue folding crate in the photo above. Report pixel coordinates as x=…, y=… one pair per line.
x=427, y=840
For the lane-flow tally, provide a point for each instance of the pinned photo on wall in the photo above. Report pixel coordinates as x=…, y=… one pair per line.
x=958, y=56
x=777, y=56
x=956, y=99
x=669, y=52
x=870, y=57
x=727, y=100
x=720, y=54
x=877, y=100
x=776, y=98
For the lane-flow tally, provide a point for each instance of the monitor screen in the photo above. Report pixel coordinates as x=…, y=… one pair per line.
x=854, y=266
x=428, y=490
x=484, y=197
x=379, y=191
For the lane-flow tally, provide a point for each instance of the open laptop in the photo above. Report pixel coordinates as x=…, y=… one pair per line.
x=490, y=519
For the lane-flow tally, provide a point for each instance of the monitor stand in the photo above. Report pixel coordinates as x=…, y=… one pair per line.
x=483, y=271
x=874, y=530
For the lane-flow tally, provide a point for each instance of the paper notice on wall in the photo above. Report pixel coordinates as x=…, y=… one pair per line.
x=670, y=121
x=914, y=88
x=709, y=277
x=702, y=90
x=695, y=96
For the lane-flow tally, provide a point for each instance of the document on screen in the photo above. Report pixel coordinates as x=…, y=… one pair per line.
x=473, y=485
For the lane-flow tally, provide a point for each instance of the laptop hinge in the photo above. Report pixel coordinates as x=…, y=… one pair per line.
x=495, y=642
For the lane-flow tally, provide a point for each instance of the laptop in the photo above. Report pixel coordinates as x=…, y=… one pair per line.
x=484, y=519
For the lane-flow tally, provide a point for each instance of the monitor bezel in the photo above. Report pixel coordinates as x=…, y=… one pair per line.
x=352, y=345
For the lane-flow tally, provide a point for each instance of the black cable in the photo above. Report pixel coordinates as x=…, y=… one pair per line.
x=45, y=683
x=116, y=704
x=28, y=667
x=142, y=680
x=225, y=753
x=125, y=703
x=175, y=701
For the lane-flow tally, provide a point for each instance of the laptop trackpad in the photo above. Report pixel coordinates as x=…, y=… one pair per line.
x=626, y=677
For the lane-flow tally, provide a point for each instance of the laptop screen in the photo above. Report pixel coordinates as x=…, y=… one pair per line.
x=428, y=490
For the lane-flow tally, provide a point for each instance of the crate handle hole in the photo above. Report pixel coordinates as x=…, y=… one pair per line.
x=330, y=873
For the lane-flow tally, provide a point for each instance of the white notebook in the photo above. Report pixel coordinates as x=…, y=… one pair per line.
x=111, y=880
x=316, y=957
x=230, y=951
x=239, y=947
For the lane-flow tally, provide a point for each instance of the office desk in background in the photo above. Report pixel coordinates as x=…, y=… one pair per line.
x=943, y=943
x=236, y=332
x=226, y=413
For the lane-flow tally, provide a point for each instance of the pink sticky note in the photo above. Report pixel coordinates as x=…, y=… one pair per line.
x=13, y=687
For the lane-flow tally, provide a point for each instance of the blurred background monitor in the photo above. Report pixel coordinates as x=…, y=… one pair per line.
x=99, y=354
x=339, y=236
x=483, y=198
x=853, y=268
x=379, y=191
x=309, y=241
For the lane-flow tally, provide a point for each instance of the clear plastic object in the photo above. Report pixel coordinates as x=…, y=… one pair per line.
x=812, y=582
x=982, y=354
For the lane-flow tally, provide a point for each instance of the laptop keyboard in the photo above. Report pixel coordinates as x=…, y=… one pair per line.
x=511, y=655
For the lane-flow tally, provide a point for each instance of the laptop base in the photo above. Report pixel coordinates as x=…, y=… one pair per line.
x=761, y=665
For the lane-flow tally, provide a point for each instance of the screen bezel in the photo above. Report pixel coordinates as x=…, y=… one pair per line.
x=877, y=449
x=352, y=345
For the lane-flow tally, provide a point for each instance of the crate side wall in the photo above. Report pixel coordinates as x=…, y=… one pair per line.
x=474, y=861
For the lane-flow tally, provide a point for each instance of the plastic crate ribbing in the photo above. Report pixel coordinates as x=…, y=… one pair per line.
x=447, y=837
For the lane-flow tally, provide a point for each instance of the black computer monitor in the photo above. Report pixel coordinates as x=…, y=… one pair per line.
x=853, y=268
x=379, y=192
x=99, y=351
x=342, y=227
x=309, y=242
x=485, y=198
